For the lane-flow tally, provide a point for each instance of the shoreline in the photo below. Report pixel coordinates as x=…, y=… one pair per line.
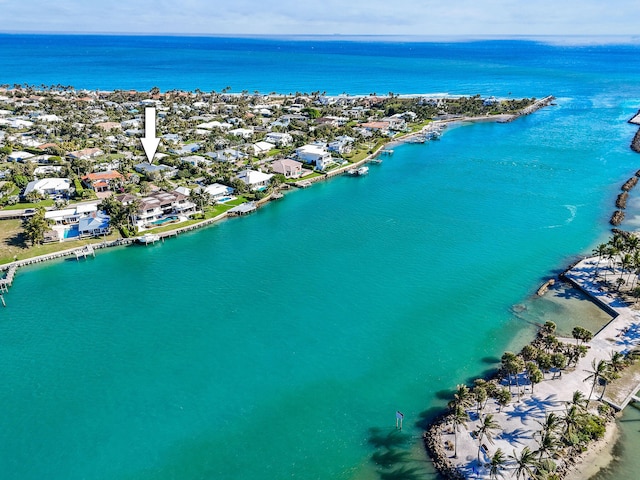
x=402, y=139
x=552, y=395
x=598, y=456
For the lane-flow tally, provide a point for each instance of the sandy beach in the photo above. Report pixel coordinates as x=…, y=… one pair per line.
x=520, y=421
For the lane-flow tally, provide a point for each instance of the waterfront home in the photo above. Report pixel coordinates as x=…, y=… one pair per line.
x=279, y=139
x=254, y=180
x=102, y=181
x=395, y=122
x=83, y=220
x=159, y=206
x=315, y=154
x=373, y=126
x=218, y=191
x=149, y=169
x=287, y=167
x=53, y=187
x=342, y=144
x=95, y=224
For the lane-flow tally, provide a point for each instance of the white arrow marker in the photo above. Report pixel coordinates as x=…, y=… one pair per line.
x=150, y=142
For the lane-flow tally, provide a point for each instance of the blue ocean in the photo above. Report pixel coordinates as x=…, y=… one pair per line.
x=281, y=345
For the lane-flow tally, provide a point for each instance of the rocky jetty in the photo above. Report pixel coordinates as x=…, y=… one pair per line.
x=437, y=452
x=635, y=143
x=617, y=218
x=621, y=201
x=629, y=184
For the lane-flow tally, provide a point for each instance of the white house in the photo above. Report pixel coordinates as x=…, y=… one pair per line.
x=279, y=139
x=242, y=132
x=255, y=180
x=218, y=191
x=49, y=186
x=287, y=167
x=260, y=148
x=314, y=154
x=19, y=156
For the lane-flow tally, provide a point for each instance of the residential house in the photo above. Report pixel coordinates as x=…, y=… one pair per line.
x=102, y=181
x=314, y=154
x=19, y=156
x=255, y=180
x=54, y=187
x=279, y=139
x=160, y=205
x=149, y=169
x=287, y=167
x=195, y=160
x=260, y=148
x=85, y=153
x=218, y=191
x=242, y=132
x=187, y=149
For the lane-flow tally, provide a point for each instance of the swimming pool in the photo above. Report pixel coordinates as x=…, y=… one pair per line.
x=71, y=232
x=162, y=221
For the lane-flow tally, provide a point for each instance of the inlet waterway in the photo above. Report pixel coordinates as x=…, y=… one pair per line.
x=281, y=344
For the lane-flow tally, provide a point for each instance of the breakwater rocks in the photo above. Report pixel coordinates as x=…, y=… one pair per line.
x=436, y=451
x=635, y=143
x=617, y=218
x=531, y=108
x=621, y=201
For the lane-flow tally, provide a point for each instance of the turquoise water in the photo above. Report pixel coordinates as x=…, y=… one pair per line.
x=281, y=344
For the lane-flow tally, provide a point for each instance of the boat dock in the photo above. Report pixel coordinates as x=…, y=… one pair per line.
x=243, y=209
x=84, y=252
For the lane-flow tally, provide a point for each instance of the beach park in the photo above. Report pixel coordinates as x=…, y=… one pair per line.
x=550, y=419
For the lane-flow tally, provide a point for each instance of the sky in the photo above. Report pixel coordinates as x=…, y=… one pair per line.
x=325, y=17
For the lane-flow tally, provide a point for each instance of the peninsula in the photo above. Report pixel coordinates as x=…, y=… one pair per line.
x=74, y=172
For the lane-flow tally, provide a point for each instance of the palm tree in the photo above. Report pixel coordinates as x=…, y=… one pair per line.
x=600, y=250
x=498, y=461
x=459, y=417
x=548, y=444
x=598, y=373
x=525, y=463
x=485, y=430
x=579, y=400
x=462, y=397
x=550, y=424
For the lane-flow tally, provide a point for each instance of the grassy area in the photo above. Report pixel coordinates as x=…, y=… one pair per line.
x=21, y=206
x=13, y=245
x=306, y=177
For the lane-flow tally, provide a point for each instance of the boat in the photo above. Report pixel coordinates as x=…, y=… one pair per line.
x=363, y=170
x=148, y=238
x=352, y=172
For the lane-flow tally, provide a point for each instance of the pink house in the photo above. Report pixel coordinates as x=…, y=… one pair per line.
x=287, y=167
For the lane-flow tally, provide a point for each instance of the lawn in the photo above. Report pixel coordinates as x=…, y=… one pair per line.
x=13, y=245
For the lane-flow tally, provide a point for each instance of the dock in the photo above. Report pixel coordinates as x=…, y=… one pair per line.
x=84, y=252
x=243, y=209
